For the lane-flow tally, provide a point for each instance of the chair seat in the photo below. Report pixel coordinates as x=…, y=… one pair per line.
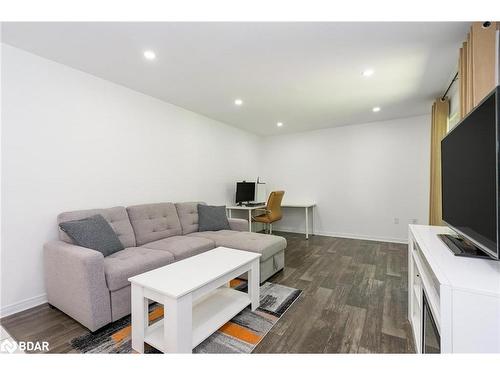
x=262, y=219
x=272, y=211
x=182, y=246
x=119, y=266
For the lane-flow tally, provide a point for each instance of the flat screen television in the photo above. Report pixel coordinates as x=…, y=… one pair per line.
x=469, y=171
x=245, y=192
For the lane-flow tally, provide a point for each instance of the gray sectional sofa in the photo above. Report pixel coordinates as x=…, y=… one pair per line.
x=94, y=289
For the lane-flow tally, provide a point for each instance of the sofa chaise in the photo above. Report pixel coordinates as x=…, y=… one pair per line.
x=94, y=290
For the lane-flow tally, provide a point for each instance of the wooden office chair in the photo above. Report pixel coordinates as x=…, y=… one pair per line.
x=272, y=212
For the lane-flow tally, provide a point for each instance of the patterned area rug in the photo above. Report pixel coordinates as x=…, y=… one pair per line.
x=240, y=335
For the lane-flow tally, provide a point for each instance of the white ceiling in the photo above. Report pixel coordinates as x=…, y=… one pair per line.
x=306, y=75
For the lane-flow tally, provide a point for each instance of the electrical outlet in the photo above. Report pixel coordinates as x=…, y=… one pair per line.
x=396, y=220
x=414, y=221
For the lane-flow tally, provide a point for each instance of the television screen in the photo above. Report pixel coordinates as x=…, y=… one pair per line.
x=245, y=191
x=469, y=177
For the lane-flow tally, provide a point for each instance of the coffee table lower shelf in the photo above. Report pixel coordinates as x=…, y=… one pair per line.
x=210, y=312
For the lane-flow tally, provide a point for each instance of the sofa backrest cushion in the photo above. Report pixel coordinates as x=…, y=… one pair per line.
x=152, y=222
x=188, y=216
x=117, y=217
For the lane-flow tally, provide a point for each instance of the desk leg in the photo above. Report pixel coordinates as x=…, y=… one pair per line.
x=178, y=324
x=307, y=223
x=312, y=220
x=253, y=284
x=249, y=220
x=229, y=213
x=140, y=318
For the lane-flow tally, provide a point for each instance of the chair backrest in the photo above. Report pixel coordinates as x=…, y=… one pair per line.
x=274, y=205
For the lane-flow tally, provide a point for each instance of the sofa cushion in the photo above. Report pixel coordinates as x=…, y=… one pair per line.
x=152, y=222
x=215, y=236
x=211, y=218
x=265, y=244
x=182, y=246
x=93, y=232
x=188, y=216
x=132, y=261
x=240, y=225
x=117, y=217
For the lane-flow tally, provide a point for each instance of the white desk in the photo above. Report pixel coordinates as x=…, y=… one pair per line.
x=249, y=209
x=306, y=206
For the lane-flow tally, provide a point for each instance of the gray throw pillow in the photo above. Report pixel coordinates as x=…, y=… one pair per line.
x=212, y=218
x=93, y=232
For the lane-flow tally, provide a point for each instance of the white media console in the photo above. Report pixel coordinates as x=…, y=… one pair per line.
x=462, y=294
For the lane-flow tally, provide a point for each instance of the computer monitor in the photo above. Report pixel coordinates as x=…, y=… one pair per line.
x=245, y=191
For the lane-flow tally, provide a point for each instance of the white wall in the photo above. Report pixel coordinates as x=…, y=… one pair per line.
x=362, y=177
x=73, y=141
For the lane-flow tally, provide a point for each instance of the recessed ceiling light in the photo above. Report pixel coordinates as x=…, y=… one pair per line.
x=376, y=109
x=279, y=124
x=368, y=72
x=238, y=102
x=150, y=55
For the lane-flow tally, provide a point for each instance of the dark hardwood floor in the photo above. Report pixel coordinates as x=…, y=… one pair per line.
x=353, y=301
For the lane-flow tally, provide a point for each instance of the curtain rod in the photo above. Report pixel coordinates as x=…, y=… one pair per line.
x=449, y=87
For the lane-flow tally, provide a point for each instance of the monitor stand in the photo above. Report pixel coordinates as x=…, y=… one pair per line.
x=462, y=247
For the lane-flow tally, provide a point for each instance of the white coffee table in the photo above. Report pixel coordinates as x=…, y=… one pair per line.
x=196, y=298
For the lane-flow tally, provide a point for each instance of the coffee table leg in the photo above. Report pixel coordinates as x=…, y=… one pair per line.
x=178, y=324
x=139, y=318
x=253, y=284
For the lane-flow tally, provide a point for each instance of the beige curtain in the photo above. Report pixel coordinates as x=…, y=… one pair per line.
x=477, y=65
x=439, y=127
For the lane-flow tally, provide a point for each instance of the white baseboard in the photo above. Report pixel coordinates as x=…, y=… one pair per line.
x=346, y=235
x=25, y=304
